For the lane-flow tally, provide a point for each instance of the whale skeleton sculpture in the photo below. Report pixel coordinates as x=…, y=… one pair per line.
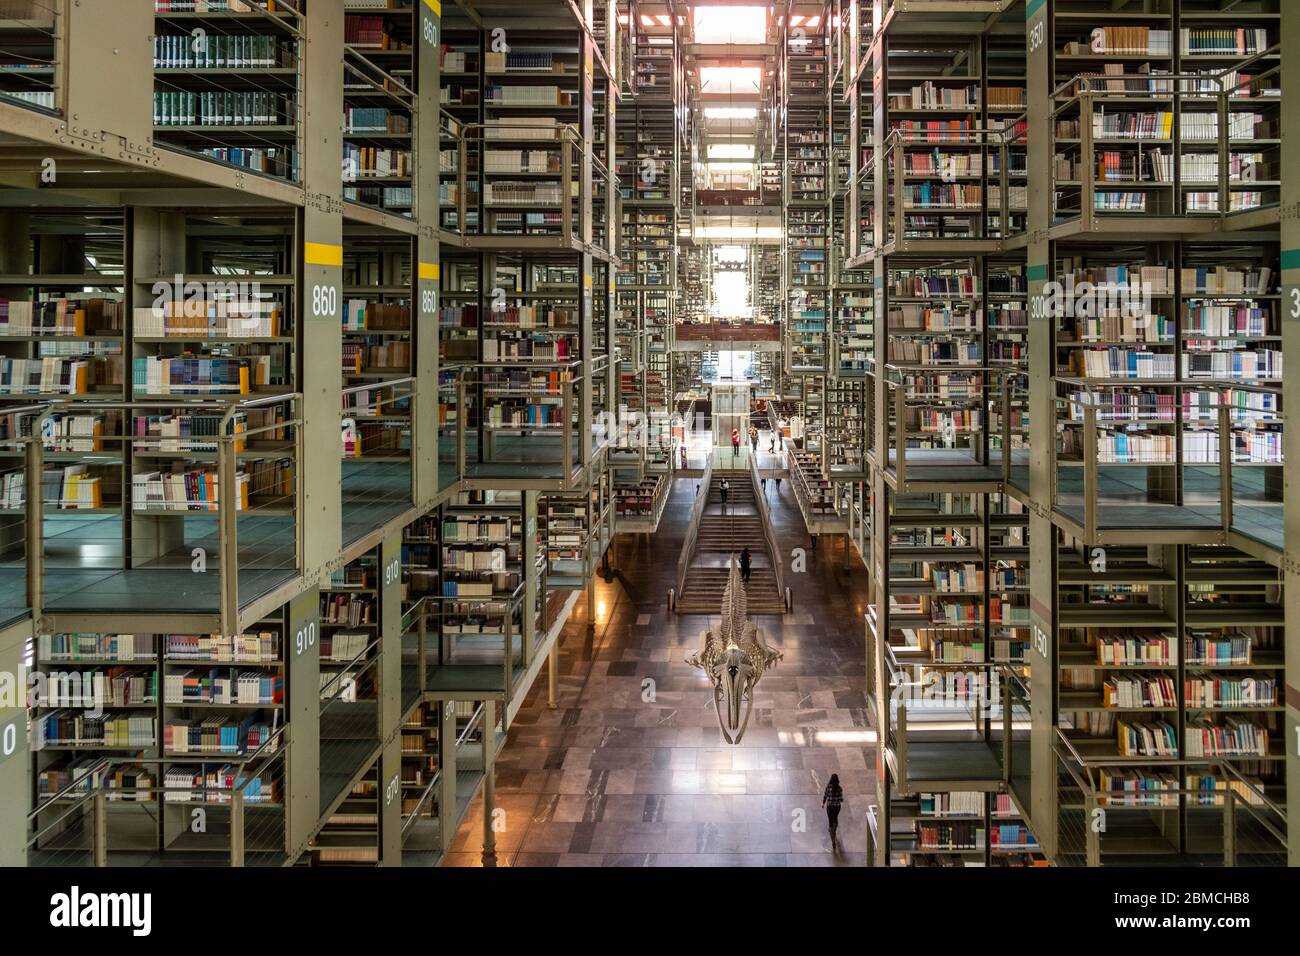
x=733, y=657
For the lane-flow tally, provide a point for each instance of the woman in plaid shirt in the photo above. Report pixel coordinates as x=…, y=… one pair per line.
x=832, y=800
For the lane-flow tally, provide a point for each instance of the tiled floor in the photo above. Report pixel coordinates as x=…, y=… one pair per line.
x=629, y=773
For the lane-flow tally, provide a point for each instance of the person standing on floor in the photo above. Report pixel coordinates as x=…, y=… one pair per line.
x=744, y=565
x=753, y=438
x=735, y=442
x=832, y=800
x=778, y=486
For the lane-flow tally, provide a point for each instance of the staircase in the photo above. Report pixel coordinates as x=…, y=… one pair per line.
x=723, y=533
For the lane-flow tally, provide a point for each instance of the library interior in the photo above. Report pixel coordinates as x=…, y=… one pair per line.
x=608, y=433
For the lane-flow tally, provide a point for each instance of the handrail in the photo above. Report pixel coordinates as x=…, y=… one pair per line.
x=769, y=534
x=693, y=528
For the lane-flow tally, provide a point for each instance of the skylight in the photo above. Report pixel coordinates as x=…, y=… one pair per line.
x=731, y=151
x=731, y=112
x=730, y=80
x=730, y=24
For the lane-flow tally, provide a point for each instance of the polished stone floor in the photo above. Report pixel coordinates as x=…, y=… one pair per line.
x=628, y=773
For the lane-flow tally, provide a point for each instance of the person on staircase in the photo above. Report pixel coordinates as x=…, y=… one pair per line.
x=745, y=566
x=723, y=489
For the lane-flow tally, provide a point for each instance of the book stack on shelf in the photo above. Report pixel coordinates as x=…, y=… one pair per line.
x=935, y=316
x=482, y=573
x=204, y=59
x=377, y=136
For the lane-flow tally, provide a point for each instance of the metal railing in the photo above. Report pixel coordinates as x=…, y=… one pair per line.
x=1253, y=825
x=1085, y=93
x=692, y=532
x=250, y=446
x=907, y=388
x=997, y=140
x=502, y=407
x=73, y=825
x=378, y=476
x=1099, y=430
x=769, y=532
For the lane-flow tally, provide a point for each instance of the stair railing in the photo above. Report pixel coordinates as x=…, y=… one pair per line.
x=769, y=533
x=693, y=528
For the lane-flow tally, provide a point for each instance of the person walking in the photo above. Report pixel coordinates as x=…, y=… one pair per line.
x=735, y=442
x=753, y=438
x=772, y=447
x=744, y=565
x=778, y=486
x=723, y=489
x=832, y=800
x=762, y=485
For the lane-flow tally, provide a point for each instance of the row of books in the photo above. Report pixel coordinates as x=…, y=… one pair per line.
x=344, y=647
x=65, y=376
x=380, y=162
x=219, y=51
x=1116, y=362
x=1235, y=737
x=941, y=285
x=214, y=784
x=374, y=119
x=929, y=95
x=949, y=578
x=929, y=195
x=350, y=610
x=61, y=316
x=65, y=728
x=216, y=735
x=1130, y=40
x=1117, y=325
x=1242, y=41
x=117, y=687
x=219, y=686
x=1233, y=363
x=260, y=647
x=908, y=316
x=194, y=375
x=1231, y=691
x=1144, y=788
x=108, y=647
x=221, y=318
x=190, y=489
x=221, y=108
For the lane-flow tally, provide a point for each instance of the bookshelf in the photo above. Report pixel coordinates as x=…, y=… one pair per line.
x=807, y=182
x=379, y=84
x=30, y=63
x=230, y=91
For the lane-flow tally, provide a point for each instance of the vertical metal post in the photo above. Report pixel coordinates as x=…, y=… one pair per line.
x=1229, y=827
x=566, y=195
x=900, y=437
x=227, y=502
x=566, y=436
x=421, y=654
x=1091, y=834
x=1090, y=453
x=462, y=421
x=100, y=824
x=35, y=539
x=1225, y=467
x=552, y=675
x=237, y=827
x=489, y=782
